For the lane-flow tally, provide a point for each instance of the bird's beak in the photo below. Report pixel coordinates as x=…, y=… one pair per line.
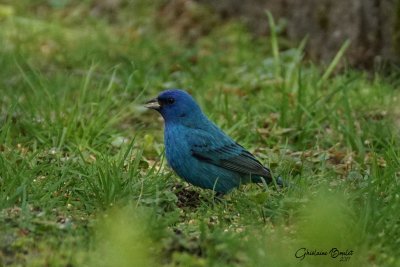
x=153, y=104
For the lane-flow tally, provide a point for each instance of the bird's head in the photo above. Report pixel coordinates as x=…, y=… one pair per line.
x=176, y=106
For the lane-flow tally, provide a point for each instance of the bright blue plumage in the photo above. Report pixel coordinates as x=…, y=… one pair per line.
x=198, y=151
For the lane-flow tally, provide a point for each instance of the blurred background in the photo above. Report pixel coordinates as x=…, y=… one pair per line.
x=371, y=26
x=310, y=87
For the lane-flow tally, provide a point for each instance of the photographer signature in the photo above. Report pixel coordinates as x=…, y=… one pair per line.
x=342, y=255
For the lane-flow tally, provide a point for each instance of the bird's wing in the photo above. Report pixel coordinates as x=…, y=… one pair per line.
x=222, y=151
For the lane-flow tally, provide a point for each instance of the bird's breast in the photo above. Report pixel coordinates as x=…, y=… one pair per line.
x=177, y=149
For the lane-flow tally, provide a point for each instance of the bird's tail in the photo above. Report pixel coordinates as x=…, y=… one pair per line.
x=282, y=183
x=269, y=180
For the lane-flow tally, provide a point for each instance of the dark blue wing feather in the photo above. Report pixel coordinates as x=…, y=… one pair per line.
x=225, y=153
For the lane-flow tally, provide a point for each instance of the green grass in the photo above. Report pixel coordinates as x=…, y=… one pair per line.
x=83, y=180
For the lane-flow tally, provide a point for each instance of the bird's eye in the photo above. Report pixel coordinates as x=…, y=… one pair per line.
x=170, y=100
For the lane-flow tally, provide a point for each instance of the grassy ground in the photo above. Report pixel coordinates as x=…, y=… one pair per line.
x=83, y=180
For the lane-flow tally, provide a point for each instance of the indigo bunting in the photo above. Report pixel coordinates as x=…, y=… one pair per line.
x=200, y=152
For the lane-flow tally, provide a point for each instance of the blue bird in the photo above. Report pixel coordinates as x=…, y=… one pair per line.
x=200, y=152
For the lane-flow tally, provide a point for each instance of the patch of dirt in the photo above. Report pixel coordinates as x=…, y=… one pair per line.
x=187, y=197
